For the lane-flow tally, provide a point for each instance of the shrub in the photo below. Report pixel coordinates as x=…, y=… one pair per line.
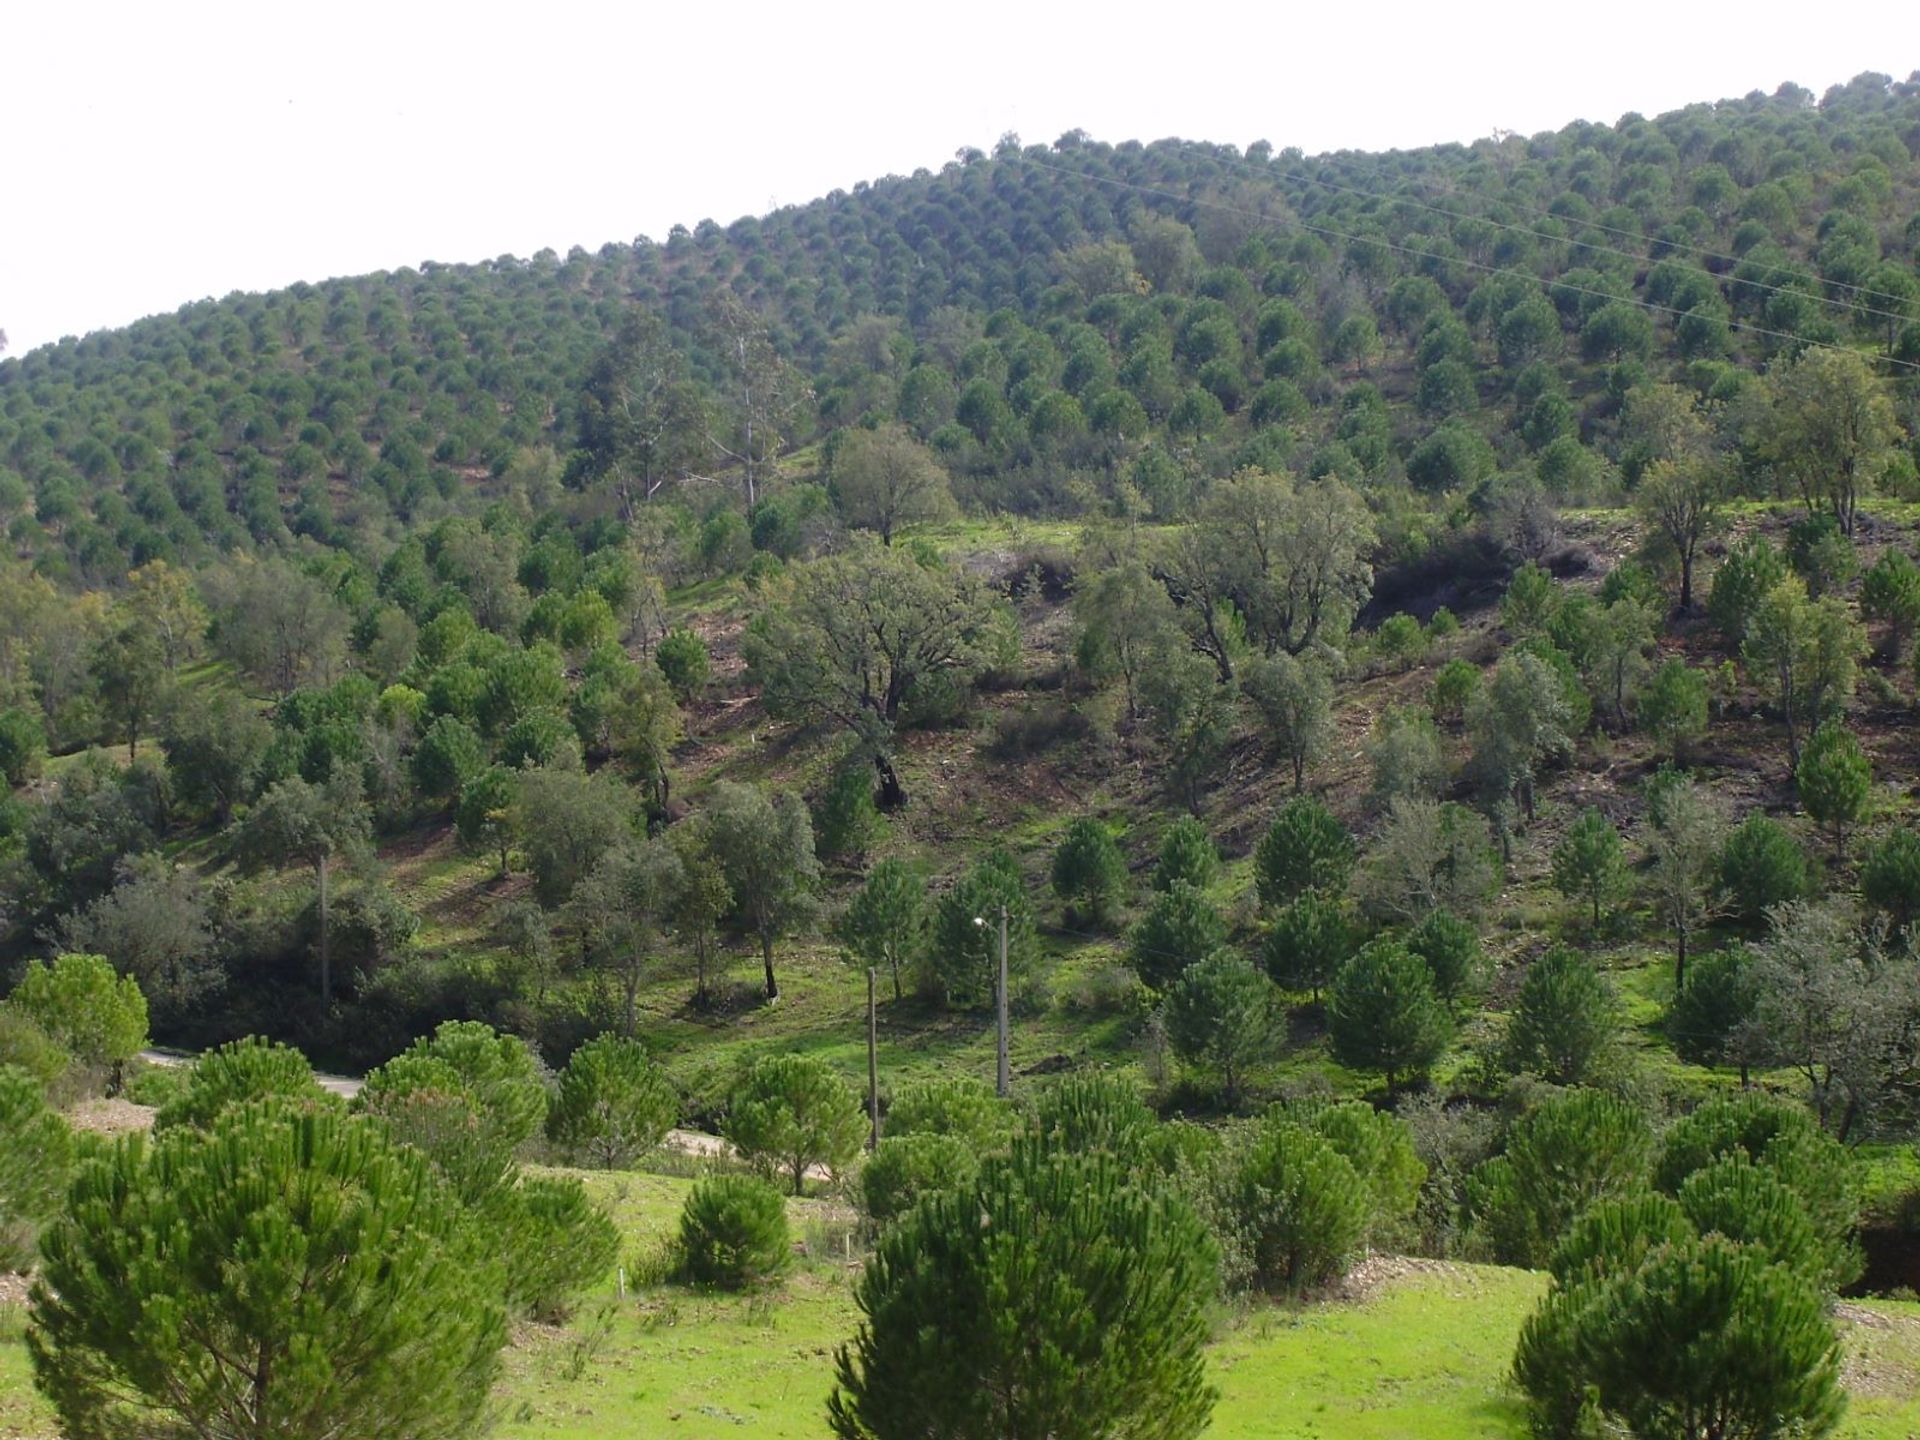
x=1187, y=856
x=682, y=658
x=1568, y=1152
x=239, y=1073
x=1380, y=1148
x=94, y=1014
x=1056, y=1284
x=903, y=1168
x=1305, y=849
x=1761, y=866
x=1454, y=686
x=613, y=1104
x=35, y=1150
x=1400, y=639
x=23, y=1043
x=555, y=1242
x=23, y=745
x=792, y=1112
x=964, y=1108
x=316, y=1280
x=1565, y=1021
x=733, y=1233
x=1302, y=1207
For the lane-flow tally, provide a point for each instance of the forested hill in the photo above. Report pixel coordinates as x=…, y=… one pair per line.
x=1068, y=325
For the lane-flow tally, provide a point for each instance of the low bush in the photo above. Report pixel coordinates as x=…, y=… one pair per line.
x=733, y=1233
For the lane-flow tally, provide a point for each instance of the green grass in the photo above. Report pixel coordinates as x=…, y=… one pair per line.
x=1424, y=1354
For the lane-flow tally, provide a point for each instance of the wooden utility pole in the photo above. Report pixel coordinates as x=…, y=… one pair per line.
x=1002, y=1080
x=873, y=1068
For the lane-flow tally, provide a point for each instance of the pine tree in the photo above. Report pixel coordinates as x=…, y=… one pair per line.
x=1382, y=1013
x=1304, y=849
x=1057, y=1295
x=1088, y=870
x=1590, y=863
x=315, y=1278
x=1835, y=781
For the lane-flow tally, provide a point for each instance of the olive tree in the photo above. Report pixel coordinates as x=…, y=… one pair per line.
x=885, y=478
x=1679, y=503
x=1294, y=698
x=1520, y=722
x=857, y=635
x=765, y=848
x=1684, y=842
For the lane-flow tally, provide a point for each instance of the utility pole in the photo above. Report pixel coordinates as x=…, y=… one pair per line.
x=873, y=1069
x=1003, y=1082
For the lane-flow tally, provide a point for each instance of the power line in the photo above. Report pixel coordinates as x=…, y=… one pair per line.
x=1298, y=224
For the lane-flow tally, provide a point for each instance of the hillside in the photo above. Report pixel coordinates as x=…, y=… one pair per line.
x=1055, y=320
x=1406, y=662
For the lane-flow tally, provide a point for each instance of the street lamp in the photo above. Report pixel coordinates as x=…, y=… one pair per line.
x=1002, y=1081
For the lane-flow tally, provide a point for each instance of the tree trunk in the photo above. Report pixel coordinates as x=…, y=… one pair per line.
x=1686, y=582
x=893, y=795
x=893, y=963
x=1680, y=963
x=766, y=957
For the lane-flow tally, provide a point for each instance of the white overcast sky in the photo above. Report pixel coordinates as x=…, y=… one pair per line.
x=160, y=152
